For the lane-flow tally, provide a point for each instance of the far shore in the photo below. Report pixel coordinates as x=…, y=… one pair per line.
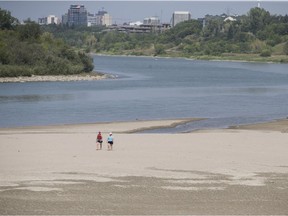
x=249, y=58
x=57, y=78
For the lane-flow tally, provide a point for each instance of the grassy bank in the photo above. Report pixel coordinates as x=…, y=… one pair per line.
x=246, y=58
x=224, y=57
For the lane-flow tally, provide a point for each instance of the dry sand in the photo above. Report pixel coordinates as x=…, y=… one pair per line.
x=57, y=170
x=57, y=78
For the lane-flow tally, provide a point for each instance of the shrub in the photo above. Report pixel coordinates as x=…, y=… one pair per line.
x=285, y=48
x=15, y=71
x=265, y=53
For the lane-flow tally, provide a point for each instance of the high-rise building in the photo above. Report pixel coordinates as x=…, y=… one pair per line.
x=106, y=20
x=51, y=19
x=77, y=15
x=180, y=16
x=91, y=20
x=102, y=18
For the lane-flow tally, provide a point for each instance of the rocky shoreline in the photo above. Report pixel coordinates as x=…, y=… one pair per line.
x=57, y=78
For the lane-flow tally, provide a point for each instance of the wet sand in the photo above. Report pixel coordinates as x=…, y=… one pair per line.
x=280, y=125
x=57, y=170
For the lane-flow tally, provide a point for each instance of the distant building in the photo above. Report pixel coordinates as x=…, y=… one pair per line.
x=92, y=20
x=151, y=21
x=42, y=21
x=106, y=20
x=77, y=15
x=137, y=23
x=140, y=29
x=229, y=19
x=102, y=18
x=165, y=26
x=180, y=16
x=51, y=19
x=65, y=19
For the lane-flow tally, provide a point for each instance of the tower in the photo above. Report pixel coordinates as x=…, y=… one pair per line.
x=258, y=4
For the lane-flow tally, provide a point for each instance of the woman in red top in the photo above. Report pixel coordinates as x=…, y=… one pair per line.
x=99, y=141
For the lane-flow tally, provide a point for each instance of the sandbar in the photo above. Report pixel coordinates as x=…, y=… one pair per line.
x=57, y=78
x=57, y=170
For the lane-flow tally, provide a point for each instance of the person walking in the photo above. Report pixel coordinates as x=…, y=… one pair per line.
x=99, y=141
x=110, y=141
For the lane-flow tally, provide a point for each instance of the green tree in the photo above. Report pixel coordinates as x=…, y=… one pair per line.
x=86, y=61
x=6, y=20
x=180, y=32
x=25, y=51
x=258, y=18
x=213, y=27
x=29, y=31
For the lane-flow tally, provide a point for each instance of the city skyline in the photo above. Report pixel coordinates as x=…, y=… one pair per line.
x=132, y=11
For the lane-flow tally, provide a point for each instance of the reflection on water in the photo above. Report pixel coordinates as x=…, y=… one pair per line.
x=261, y=90
x=35, y=98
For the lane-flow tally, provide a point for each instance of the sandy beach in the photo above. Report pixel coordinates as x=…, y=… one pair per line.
x=57, y=78
x=56, y=170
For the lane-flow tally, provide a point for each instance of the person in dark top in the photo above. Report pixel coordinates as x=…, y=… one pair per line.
x=99, y=141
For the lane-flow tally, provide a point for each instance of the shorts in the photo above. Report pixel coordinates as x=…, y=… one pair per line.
x=110, y=142
x=100, y=141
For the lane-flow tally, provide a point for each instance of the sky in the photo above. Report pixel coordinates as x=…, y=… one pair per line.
x=131, y=11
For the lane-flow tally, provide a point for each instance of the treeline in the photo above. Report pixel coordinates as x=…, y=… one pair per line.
x=26, y=50
x=255, y=33
x=258, y=33
x=50, y=50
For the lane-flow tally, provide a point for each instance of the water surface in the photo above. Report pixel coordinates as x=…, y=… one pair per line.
x=228, y=93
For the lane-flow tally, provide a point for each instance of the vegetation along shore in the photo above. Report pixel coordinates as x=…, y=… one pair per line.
x=29, y=49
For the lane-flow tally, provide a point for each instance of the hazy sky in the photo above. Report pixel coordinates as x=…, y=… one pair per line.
x=125, y=11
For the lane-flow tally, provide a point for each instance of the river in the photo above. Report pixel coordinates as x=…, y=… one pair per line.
x=147, y=88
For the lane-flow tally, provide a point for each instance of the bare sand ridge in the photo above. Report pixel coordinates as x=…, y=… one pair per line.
x=57, y=170
x=58, y=78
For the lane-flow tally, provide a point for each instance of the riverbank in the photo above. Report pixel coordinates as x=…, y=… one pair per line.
x=57, y=170
x=57, y=78
x=231, y=57
x=235, y=57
